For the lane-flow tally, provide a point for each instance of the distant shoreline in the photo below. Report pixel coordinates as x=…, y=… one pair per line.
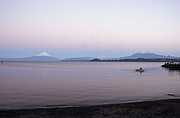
x=115, y=60
x=138, y=60
x=167, y=108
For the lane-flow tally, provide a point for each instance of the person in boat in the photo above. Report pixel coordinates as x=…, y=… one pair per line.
x=140, y=70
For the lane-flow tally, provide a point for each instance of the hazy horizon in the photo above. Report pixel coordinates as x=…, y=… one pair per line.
x=102, y=57
x=93, y=28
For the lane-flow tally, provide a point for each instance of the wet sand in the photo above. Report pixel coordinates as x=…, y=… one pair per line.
x=149, y=109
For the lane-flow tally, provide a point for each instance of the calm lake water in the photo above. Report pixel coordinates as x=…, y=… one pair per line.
x=48, y=84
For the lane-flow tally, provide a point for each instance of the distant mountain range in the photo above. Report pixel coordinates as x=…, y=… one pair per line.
x=79, y=59
x=40, y=57
x=46, y=57
x=146, y=55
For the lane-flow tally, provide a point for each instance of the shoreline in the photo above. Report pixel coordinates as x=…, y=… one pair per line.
x=166, y=108
x=31, y=107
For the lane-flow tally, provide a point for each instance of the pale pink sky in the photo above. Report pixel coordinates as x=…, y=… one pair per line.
x=90, y=25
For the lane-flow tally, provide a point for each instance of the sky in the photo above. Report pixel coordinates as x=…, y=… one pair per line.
x=95, y=28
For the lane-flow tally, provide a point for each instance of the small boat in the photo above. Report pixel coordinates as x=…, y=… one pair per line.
x=140, y=70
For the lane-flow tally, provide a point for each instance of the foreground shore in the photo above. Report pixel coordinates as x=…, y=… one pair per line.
x=149, y=109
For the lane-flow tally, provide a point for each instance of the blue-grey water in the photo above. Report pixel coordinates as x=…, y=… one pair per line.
x=46, y=84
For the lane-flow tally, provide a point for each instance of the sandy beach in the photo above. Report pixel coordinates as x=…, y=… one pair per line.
x=169, y=108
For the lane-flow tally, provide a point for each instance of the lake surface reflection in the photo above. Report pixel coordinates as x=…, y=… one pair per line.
x=41, y=84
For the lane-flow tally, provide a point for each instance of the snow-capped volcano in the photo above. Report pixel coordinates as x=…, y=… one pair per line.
x=43, y=54
x=146, y=55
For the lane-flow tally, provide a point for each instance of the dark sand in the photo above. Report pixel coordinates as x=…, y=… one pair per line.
x=149, y=109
